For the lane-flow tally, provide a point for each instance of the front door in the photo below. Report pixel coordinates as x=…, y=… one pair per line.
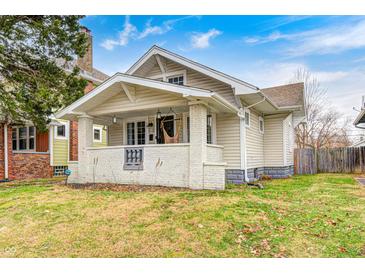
x=168, y=124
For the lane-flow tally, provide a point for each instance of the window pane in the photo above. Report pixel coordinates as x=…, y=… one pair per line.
x=22, y=144
x=247, y=118
x=13, y=134
x=22, y=133
x=261, y=125
x=209, y=129
x=31, y=143
x=178, y=80
x=14, y=145
x=188, y=127
x=22, y=138
x=31, y=131
x=141, y=133
x=61, y=131
x=97, y=134
x=130, y=133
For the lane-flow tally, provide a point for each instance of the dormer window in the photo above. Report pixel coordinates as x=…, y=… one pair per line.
x=177, y=80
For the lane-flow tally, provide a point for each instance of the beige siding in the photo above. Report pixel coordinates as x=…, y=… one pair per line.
x=228, y=135
x=273, y=141
x=288, y=138
x=60, y=152
x=115, y=133
x=195, y=79
x=255, y=142
x=145, y=99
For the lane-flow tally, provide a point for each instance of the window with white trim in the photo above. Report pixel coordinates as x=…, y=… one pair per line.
x=247, y=118
x=177, y=80
x=261, y=124
x=136, y=133
x=23, y=138
x=209, y=128
x=61, y=131
x=97, y=133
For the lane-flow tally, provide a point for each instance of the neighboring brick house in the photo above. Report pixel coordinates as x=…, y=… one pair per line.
x=28, y=153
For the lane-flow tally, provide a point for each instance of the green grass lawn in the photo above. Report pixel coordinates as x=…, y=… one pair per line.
x=306, y=216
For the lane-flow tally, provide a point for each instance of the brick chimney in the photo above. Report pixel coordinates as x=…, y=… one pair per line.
x=86, y=63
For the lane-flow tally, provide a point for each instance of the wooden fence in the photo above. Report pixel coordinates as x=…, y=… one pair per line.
x=334, y=160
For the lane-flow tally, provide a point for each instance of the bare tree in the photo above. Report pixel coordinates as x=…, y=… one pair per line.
x=323, y=127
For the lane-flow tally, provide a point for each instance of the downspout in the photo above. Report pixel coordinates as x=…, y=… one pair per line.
x=6, y=156
x=243, y=143
x=243, y=150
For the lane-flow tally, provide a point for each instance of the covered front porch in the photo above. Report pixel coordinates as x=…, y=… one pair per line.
x=154, y=137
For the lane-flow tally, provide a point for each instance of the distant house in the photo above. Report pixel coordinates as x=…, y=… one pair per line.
x=27, y=153
x=360, y=123
x=175, y=122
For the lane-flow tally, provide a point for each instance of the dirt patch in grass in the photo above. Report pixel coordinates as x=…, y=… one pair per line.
x=124, y=188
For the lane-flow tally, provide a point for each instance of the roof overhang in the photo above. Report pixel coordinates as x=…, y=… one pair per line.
x=265, y=105
x=360, y=119
x=239, y=86
x=113, y=85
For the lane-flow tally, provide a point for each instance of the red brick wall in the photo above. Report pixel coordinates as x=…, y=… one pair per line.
x=2, y=168
x=23, y=165
x=30, y=165
x=73, y=141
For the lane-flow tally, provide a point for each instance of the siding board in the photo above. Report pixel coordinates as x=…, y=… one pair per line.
x=228, y=135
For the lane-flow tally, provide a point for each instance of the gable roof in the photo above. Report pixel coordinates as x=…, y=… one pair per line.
x=240, y=87
x=286, y=95
x=150, y=83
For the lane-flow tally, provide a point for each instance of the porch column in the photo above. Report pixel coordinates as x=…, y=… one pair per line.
x=85, y=139
x=198, y=144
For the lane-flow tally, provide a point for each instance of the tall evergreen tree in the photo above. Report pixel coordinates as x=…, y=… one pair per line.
x=34, y=51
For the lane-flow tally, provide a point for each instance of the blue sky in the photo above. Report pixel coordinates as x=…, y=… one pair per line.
x=262, y=50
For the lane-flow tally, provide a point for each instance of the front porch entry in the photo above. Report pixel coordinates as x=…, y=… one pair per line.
x=182, y=153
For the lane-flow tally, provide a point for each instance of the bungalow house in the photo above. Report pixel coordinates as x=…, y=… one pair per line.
x=174, y=122
x=27, y=153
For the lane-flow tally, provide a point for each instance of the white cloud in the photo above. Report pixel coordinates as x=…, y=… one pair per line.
x=334, y=39
x=166, y=26
x=202, y=40
x=128, y=31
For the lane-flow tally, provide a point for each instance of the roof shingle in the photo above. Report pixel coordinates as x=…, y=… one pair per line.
x=286, y=95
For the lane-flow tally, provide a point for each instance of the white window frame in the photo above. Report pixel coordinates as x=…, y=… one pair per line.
x=176, y=76
x=27, y=139
x=101, y=134
x=249, y=118
x=261, y=119
x=66, y=131
x=135, y=120
x=172, y=74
